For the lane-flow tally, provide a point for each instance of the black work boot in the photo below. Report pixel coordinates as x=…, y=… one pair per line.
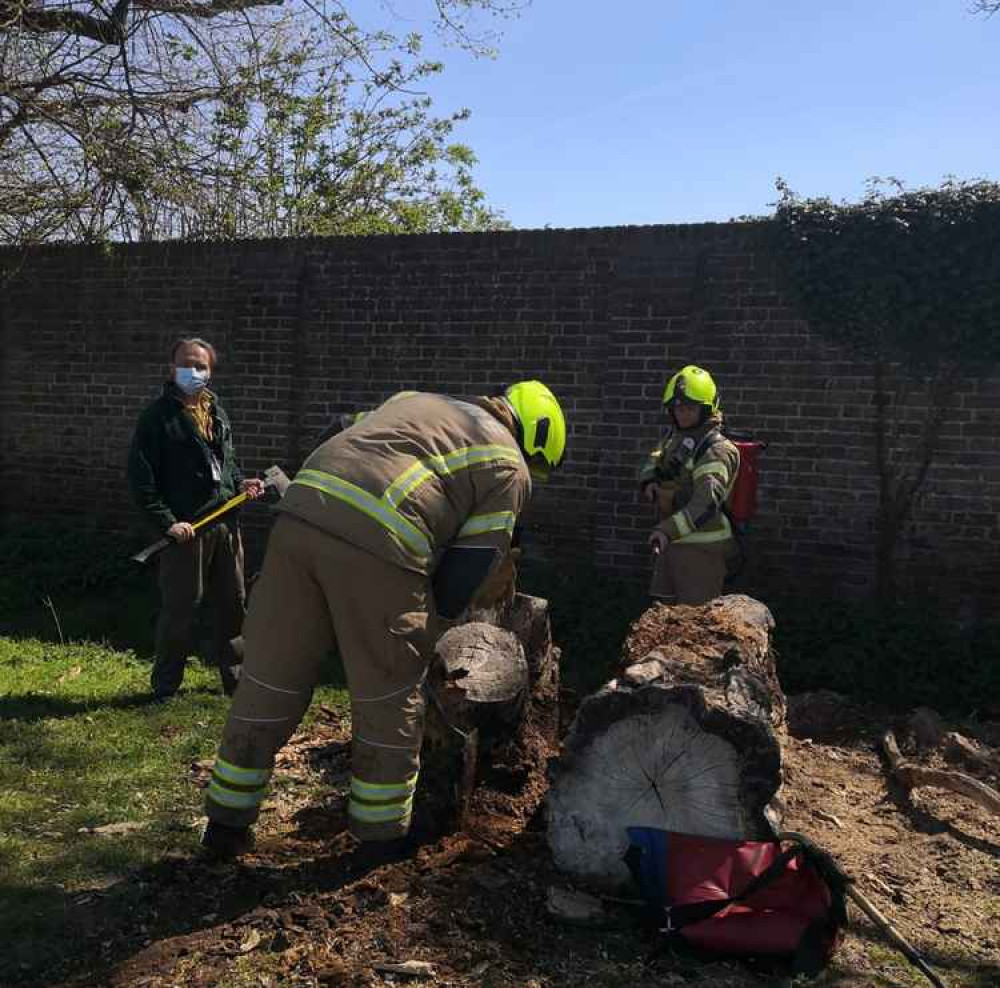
x=222, y=843
x=230, y=676
x=371, y=854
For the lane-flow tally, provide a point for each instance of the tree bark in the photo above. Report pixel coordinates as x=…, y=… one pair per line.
x=687, y=738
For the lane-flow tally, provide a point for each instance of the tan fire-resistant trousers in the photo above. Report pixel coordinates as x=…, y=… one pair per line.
x=690, y=574
x=315, y=590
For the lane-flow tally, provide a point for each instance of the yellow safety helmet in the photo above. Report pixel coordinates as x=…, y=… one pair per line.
x=541, y=425
x=693, y=386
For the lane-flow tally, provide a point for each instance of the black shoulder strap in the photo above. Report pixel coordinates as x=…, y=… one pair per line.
x=707, y=442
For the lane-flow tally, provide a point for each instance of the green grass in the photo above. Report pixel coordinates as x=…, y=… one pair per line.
x=81, y=747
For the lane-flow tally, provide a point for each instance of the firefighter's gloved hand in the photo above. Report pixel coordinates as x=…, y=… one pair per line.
x=501, y=584
x=665, y=492
x=658, y=542
x=650, y=492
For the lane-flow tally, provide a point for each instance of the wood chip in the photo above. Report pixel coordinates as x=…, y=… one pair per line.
x=828, y=818
x=576, y=908
x=412, y=969
x=250, y=941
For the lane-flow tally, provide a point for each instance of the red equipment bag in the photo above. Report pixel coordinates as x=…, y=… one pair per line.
x=742, y=503
x=743, y=500
x=750, y=899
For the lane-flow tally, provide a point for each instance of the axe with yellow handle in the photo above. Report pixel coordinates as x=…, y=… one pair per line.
x=274, y=477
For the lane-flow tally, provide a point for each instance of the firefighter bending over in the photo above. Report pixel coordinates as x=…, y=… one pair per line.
x=352, y=560
x=689, y=476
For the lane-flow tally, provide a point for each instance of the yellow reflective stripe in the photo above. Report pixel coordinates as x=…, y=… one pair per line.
x=368, y=504
x=234, y=800
x=499, y=521
x=240, y=776
x=380, y=814
x=383, y=510
x=411, y=478
x=717, y=468
x=712, y=535
x=682, y=523
x=383, y=791
x=460, y=459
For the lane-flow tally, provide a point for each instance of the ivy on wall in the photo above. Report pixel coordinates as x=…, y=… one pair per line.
x=908, y=275
x=910, y=279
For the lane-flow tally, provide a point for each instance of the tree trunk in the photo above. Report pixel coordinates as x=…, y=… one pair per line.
x=687, y=738
x=492, y=716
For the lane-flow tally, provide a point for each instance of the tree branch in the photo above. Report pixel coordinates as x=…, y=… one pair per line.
x=202, y=11
x=107, y=31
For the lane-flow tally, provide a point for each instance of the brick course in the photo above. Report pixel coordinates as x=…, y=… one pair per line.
x=308, y=328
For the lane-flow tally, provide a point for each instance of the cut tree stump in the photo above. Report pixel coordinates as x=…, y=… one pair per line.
x=493, y=714
x=480, y=680
x=687, y=738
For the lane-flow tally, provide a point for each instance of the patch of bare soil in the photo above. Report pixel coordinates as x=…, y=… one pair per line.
x=470, y=909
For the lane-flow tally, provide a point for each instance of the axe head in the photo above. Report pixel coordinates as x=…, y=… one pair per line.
x=275, y=478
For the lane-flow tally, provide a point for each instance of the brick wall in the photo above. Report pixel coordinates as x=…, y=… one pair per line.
x=308, y=328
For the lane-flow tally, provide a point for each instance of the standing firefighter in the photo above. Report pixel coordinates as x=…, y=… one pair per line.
x=689, y=476
x=361, y=532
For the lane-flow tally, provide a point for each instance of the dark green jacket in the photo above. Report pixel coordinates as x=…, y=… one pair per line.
x=170, y=465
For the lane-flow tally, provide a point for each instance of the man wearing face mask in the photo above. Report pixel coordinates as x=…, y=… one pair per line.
x=689, y=476
x=181, y=465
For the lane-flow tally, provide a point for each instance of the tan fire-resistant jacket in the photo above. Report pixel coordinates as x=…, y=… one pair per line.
x=695, y=470
x=415, y=476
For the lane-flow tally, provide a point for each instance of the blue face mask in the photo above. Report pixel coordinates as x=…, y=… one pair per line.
x=190, y=380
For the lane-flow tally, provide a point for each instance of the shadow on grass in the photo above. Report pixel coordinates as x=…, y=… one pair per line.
x=121, y=618
x=32, y=707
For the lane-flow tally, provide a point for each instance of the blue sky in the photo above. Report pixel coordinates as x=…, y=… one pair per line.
x=676, y=111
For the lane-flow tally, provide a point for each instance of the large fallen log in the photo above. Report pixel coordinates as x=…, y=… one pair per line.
x=686, y=738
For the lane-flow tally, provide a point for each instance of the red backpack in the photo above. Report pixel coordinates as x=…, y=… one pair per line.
x=772, y=900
